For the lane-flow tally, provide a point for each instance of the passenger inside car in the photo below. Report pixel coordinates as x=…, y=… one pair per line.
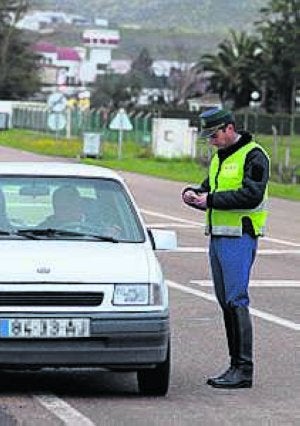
x=5, y=225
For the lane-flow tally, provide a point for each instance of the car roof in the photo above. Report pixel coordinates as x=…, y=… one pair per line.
x=56, y=169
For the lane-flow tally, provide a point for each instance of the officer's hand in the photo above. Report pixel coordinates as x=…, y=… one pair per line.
x=188, y=197
x=201, y=201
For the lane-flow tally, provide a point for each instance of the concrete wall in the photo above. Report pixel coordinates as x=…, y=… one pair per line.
x=173, y=138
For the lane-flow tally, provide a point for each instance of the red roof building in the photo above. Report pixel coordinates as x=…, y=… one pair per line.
x=84, y=64
x=44, y=47
x=65, y=59
x=67, y=54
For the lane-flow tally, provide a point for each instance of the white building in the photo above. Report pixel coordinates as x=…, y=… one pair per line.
x=37, y=20
x=80, y=65
x=164, y=67
x=120, y=66
x=99, y=44
x=65, y=59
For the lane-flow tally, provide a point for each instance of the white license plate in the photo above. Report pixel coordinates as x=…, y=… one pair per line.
x=44, y=328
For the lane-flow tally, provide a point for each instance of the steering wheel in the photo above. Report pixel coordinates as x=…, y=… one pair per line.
x=99, y=228
x=80, y=227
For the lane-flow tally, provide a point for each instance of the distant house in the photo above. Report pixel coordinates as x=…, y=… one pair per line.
x=160, y=68
x=37, y=20
x=120, y=66
x=208, y=100
x=65, y=60
x=163, y=68
x=80, y=65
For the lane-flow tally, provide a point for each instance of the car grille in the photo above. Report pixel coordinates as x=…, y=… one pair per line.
x=50, y=298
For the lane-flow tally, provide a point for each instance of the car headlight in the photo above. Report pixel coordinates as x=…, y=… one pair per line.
x=131, y=294
x=137, y=294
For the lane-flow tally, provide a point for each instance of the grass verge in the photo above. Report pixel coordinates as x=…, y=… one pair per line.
x=135, y=158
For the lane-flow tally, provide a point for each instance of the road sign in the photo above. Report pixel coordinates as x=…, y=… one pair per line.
x=57, y=102
x=121, y=121
x=57, y=121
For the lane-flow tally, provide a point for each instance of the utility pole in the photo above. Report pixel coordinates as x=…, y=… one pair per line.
x=293, y=106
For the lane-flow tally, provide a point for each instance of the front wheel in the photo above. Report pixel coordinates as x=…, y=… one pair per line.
x=155, y=381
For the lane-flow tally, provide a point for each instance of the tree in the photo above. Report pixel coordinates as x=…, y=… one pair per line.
x=143, y=63
x=18, y=64
x=185, y=81
x=280, y=69
x=114, y=91
x=141, y=69
x=269, y=63
x=185, y=78
x=234, y=68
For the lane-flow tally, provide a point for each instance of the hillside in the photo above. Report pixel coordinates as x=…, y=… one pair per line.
x=170, y=29
x=184, y=15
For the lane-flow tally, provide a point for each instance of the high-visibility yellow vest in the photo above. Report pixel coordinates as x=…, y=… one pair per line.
x=230, y=177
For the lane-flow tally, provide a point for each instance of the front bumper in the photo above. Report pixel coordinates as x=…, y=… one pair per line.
x=118, y=341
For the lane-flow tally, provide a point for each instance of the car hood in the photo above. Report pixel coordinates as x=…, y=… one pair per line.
x=60, y=261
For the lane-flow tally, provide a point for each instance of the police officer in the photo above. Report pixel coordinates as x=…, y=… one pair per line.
x=234, y=196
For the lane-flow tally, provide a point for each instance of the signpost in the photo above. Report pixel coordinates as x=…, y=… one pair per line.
x=120, y=122
x=56, y=121
x=57, y=104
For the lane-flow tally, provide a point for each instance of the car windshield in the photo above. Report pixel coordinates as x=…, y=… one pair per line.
x=97, y=209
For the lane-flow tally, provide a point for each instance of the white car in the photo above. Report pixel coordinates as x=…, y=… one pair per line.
x=80, y=283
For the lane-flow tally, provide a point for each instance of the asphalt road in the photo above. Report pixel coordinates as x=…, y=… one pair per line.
x=198, y=342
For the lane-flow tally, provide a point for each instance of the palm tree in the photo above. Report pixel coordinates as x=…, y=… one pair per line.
x=233, y=68
x=280, y=33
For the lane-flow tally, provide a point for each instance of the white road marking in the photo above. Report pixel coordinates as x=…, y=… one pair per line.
x=262, y=252
x=288, y=243
x=63, y=410
x=173, y=218
x=256, y=283
x=191, y=222
x=190, y=250
x=171, y=225
x=257, y=313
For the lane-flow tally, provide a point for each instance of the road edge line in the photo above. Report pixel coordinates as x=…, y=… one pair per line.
x=255, y=312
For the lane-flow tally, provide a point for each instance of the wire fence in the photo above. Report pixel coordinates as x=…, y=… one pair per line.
x=79, y=122
x=257, y=122
x=283, y=146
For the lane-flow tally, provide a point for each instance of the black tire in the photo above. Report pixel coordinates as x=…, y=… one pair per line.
x=155, y=381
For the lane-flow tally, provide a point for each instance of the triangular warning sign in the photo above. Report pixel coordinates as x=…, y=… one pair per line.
x=121, y=121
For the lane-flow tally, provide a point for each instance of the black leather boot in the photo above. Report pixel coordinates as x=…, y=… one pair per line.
x=241, y=372
x=231, y=341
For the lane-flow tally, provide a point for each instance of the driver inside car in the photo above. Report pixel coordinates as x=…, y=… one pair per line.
x=67, y=208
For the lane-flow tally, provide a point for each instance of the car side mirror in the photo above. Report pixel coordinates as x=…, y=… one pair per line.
x=162, y=239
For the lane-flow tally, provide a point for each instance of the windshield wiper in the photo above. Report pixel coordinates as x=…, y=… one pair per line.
x=14, y=233
x=2, y=232
x=52, y=232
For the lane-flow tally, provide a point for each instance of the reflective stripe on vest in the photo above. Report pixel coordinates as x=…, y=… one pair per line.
x=230, y=177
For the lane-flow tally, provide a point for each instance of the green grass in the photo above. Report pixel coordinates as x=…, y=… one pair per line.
x=40, y=143
x=184, y=171
x=283, y=143
x=137, y=158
